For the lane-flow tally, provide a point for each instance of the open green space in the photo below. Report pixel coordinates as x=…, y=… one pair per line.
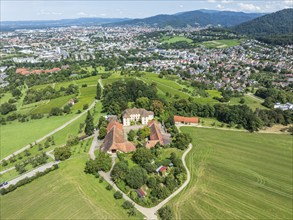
x=46, y=107
x=251, y=102
x=220, y=43
x=175, y=39
x=16, y=134
x=66, y=193
x=237, y=175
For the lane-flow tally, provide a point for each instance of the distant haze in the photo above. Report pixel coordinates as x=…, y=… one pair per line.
x=54, y=10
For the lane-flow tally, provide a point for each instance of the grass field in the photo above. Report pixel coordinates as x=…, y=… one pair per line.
x=67, y=193
x=237, y=175
x=175, y=39
x=220, y=43
x=251, y=102
x=17, y=134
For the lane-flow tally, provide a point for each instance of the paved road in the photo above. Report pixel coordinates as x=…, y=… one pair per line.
x=52, y=132
x=31, y=173
x=94, y=145
x=150, y=213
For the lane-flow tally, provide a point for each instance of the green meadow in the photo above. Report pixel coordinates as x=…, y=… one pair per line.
x=66, y=193
x=175, y=39
x=17, y=135
x=237, y=175
x=220, y=43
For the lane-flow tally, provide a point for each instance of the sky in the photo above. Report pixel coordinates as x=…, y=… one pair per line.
x=12, y=10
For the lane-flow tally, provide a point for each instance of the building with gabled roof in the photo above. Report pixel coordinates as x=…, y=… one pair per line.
x=185, y=120
x=114, y=140
x=135, y=115
x=157, y=135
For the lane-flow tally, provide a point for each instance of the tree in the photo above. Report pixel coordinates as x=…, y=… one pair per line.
x=166, y=213
x=127, y=205
x=143, y=102
x=102, y=122
x=102, y=162
x=72, y=140
x=118, y=195
x=4, y=163
x=16, y=92
x=142, y=156
x=62, y=153
x=119, y=171
x=102, y=133
x=182, y=140
x=99, y=91
x=157, y=106
x=89, y=124
x=143, y=133
x=242, y=101
x=131, y=135
x=56, y=111
x=6, y=108
x=136, y=177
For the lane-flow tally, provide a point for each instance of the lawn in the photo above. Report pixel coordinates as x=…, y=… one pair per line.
x=17, y=135
x=220, y=43
x=237, y=175
x=251, y=102
x=87, y=96
x=46, y=107
x=67, y=193
x=175, y=39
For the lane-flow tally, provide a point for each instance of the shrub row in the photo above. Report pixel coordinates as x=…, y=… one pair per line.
x=27, y=180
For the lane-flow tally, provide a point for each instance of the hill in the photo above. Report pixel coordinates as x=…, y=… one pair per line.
x=278, y=23
x=198, y=18
x=13, y=25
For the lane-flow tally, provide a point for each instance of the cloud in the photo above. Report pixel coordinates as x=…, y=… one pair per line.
x=212, y=1
x=227, y=1
x=219, y=6
x=82, y=13
x=44, y=12
x=180, y=6
x=249, y=7
x=288, y=3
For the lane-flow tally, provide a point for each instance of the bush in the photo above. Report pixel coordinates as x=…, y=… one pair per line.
x=4, y=163
x=101, y=180
x=165, y=213
x=109, y=187
x=62, y=153
x=118, y=195
x=127, y=205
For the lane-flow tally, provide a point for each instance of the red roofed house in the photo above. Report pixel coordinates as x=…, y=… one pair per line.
x=114, y=140
x=157, y=135
x=186, y=120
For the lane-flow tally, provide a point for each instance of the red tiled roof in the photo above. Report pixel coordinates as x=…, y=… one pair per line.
x=185, y=119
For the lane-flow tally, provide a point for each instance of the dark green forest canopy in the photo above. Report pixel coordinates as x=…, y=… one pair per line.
x=118, y=94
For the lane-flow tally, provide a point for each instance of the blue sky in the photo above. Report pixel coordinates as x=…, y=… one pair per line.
x=52, y=10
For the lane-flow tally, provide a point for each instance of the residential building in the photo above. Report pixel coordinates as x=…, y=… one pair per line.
x=135, y=115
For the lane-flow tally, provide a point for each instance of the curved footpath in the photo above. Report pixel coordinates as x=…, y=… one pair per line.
x=52, y=132
x=150, y=213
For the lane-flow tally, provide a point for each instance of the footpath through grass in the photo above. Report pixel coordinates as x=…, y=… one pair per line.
x=17, y=135
x=67, y=193
x=237, y=175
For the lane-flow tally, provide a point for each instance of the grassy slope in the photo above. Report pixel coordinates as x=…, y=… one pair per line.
x=175, y=39
x=17, y=134
x=67, y=193
x=220, y=43
x=237, y=175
